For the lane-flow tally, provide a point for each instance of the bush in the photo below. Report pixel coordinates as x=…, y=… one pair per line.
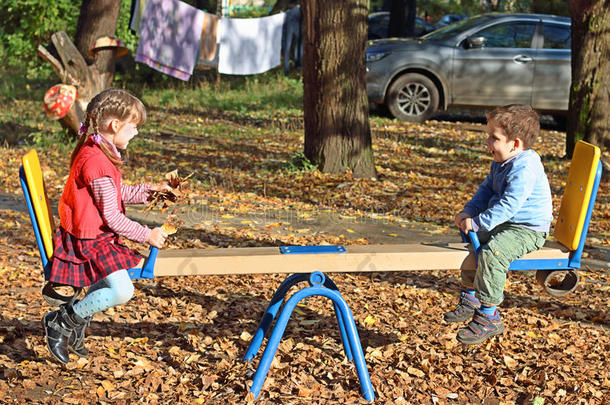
x=27, y=23
x=299, y=163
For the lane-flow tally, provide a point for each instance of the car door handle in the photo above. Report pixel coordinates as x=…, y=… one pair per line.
x=522, y=59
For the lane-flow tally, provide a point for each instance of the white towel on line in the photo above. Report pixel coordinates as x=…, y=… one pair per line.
x=250, y=45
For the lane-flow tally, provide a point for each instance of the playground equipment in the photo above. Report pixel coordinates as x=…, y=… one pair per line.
x=556, y=263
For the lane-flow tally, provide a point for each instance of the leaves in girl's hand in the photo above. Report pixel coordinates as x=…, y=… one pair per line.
x=169, y=229
x=171, y=224
x=162, y=199
x=176, y=182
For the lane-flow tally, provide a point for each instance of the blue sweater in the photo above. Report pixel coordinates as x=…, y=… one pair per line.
x=515, y=191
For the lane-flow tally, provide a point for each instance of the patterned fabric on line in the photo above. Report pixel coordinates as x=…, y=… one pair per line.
x=170, y=37
x=84, y=262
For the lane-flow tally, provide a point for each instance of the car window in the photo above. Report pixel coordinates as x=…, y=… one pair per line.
x=508, y=35
x=450, y=31
x=557, y=37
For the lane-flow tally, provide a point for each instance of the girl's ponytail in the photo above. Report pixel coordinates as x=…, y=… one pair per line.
x=83, y=132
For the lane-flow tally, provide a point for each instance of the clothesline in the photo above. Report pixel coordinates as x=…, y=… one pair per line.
x=175, y=37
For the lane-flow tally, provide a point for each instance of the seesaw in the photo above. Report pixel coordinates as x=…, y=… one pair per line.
x=556, y=263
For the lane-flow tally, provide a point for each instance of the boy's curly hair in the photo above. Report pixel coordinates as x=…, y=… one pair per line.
x=517, y=121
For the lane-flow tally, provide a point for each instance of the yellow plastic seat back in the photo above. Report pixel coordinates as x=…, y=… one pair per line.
x=40, y=202
x=577, y=195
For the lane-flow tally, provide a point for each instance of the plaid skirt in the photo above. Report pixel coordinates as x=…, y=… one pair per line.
x=84, y=262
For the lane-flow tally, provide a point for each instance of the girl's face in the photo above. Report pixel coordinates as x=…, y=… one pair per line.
x=124, y=133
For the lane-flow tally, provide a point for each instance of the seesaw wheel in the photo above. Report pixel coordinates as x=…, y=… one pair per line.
x=558, y=282
x=54, y=298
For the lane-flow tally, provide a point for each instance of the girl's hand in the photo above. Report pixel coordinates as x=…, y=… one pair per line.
x=157, y=238
x=160, y=187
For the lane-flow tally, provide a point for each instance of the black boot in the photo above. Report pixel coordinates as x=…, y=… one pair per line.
x=76, y=343
x=58, y=326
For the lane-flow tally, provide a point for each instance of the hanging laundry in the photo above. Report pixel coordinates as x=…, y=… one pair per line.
x=137, y=9
x=250, y=45
x=291, y=31
x=209, y=40
x=170, y=37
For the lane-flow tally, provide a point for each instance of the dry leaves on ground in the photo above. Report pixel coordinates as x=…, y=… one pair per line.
x=181, y=339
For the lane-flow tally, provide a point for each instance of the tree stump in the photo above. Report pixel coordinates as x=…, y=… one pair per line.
x=72, y=69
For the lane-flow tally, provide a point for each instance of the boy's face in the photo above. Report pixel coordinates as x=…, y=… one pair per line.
x=499, y=145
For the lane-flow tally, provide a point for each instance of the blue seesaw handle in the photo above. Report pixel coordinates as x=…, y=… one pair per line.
x=474, y=239
x=148, y=270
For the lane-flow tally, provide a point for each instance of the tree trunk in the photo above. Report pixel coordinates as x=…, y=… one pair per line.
x=402, y=18
x=337, y=131
x=98, y=18
x=588, y=117
x=89, y=75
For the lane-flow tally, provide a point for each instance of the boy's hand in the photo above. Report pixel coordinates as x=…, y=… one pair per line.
x=466, y=225
x=157, y=237
x=459, y=217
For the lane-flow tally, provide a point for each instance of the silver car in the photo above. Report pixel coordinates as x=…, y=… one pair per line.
x=483, y=61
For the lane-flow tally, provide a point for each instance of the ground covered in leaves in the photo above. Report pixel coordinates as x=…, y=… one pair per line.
x=181, y=340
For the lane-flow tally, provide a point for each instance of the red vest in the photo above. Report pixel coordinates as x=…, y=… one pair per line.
x=78, y=213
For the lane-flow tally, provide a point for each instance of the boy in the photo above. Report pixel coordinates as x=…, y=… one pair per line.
x=511, y=213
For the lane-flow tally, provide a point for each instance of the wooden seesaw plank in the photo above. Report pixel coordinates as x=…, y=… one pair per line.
x=357, y=258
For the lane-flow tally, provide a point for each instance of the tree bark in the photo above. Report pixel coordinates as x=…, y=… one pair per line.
x=588, y=117
x=98, y=18
x=337, y=131
x=402, y=18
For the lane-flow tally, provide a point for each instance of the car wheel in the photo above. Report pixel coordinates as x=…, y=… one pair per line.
x=413, y=97
x=562, y=121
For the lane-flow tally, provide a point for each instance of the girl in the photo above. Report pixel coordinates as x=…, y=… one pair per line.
x=92, y=216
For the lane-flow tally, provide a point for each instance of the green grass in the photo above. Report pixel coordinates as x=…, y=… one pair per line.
x=173, y=105
x=22, y=120
x=257, y=95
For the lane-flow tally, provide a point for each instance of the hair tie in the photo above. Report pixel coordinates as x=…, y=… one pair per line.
x=83, y=128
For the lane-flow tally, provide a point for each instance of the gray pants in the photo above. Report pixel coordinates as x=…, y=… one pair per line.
x=505, y=243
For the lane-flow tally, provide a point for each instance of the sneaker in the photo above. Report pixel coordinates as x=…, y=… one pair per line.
x=481, y=327
x=464, y=309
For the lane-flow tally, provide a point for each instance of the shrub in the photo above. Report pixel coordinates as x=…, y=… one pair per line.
x=27, y=23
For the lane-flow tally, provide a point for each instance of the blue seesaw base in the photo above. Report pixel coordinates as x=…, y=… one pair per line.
x=320, y=285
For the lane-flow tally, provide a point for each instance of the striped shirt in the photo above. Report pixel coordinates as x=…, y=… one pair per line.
x=104, y=193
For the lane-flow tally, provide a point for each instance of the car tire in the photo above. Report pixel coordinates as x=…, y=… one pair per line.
x=561, y=120
x=412, y=97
